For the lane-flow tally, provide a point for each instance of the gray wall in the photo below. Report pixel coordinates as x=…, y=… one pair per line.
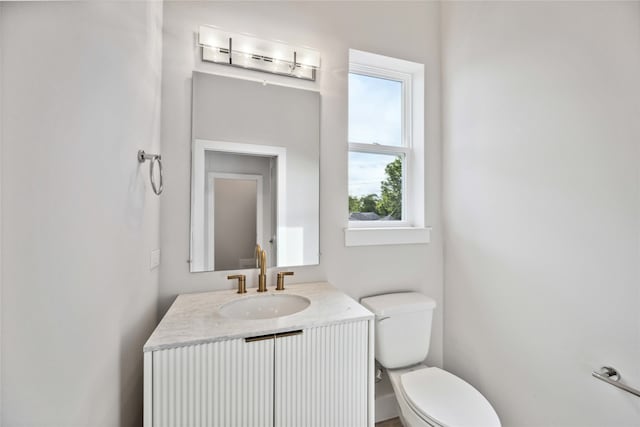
x=542, y=206
x=235, y=222
x=81, y=94
x=408, y=30
x=251, y=165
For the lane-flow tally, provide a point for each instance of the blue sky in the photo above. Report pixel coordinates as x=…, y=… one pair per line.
x=375, y=116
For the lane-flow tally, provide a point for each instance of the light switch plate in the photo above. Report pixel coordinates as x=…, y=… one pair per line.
x=155, y=259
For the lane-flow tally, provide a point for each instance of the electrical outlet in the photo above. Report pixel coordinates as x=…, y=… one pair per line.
x=155, y=259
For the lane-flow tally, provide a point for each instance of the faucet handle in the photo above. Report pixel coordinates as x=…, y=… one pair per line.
x=280, y=284
x=242, y=282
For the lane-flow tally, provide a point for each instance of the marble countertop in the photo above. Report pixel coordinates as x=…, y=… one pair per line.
x=195, y=318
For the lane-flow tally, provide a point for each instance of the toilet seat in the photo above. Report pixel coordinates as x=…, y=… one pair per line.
x=442, y=399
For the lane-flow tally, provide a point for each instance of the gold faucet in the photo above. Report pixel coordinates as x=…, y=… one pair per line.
x=280, y=284
x=242, y=282
x=261, y=256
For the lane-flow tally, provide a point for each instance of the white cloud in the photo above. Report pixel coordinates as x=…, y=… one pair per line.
x=366, y=172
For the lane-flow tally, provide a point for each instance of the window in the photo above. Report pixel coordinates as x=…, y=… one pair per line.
x=386, y=148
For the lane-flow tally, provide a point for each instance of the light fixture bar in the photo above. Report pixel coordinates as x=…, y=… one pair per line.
x=243, y=51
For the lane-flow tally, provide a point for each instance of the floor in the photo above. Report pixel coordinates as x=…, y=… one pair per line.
x=393, y=422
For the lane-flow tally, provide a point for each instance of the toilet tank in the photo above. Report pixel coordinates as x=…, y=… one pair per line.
x=403, y=327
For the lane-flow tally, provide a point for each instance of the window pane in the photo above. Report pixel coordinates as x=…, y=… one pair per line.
x=375, y=110
x=375, y=187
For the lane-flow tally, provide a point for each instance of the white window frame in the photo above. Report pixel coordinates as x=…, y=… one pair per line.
x=410, y=229
x=404, y=149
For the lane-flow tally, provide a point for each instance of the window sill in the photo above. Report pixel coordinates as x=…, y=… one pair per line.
x=387, y=236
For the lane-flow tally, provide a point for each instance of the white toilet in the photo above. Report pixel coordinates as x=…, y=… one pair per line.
x=426, y=396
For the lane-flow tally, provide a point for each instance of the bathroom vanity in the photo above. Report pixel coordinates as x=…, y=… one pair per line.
x=298, y=357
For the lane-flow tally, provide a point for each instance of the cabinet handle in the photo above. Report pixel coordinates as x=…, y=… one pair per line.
x=260, y=338
x=273, y=336
x=289, y=334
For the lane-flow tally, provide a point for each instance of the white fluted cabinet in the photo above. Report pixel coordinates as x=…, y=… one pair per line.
x=313, y=368
x=224, y=383
x=321, y=377
x=311, y=377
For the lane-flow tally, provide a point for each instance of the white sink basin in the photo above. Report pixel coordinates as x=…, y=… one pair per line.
x=264, y=306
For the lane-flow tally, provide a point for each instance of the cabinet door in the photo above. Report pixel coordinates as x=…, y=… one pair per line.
x=225, y=383
x=321, y=377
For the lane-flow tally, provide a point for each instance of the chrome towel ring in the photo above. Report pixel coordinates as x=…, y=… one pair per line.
x=155, y=158
x=612, y=376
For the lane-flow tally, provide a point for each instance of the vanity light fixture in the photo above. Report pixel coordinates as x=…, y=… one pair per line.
x=238, y=50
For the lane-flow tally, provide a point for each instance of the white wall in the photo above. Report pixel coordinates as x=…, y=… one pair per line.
x=542, y=206
x=81, y=94
x=408, y=30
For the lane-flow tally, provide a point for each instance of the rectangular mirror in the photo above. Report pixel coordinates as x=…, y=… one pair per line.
x=254, y=174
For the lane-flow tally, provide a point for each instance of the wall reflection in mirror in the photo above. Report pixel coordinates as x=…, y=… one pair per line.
x=255, y=174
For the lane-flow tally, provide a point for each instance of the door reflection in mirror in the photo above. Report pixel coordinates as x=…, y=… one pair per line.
x=234, y=214
x=235, y=189
x=239, y=213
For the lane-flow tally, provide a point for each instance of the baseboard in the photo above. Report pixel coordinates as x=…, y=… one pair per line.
x=386, y=406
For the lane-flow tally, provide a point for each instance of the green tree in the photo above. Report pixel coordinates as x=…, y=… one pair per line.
x=354, y=204
x=391, y=201
x=369, y=203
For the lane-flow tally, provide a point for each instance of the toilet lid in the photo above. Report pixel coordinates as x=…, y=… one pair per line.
x=447, y=400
